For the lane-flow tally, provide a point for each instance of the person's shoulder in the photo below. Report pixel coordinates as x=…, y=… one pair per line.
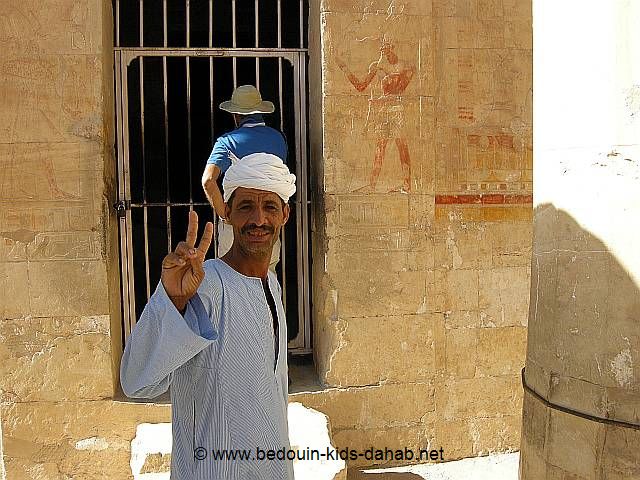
x=276, y=135
x=224, y=138
x=269, y=129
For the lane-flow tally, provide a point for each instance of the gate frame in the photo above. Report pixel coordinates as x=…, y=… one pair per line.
x=123, y=57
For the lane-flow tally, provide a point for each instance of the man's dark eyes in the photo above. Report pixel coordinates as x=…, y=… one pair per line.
x=247, y=207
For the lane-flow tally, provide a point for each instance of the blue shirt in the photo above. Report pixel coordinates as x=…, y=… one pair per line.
x=252, y=136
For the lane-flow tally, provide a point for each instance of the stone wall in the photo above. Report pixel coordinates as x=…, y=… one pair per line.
x=59, y=314
x=583, y=354
x=420, y=293
x=421, y=254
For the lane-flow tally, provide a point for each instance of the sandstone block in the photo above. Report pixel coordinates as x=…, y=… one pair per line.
x=380, y=239
x=511, y=244
x=518, y=33
x=410, y=7
x=415, y=438
x=620, y=454
x=535, y=421
x=42, y=172
x=56, y=438
x=454, y=437
x=502, y=296
x=498, y=434
x=61, y=216
x=479, y=397
x=461, y=289
x=462, y=319
x=394, y=349
x=56, y=359
x=71, y=27
x=14, y=283
x=378, y=293
x=13, y=245
x=421, y=212
x=354, y=213
x=461, y=352
x=573, y=444
x=463, y=246
x=65, y=246
x=68, y=288
x=380, y=406
x=50, y=98
x=501, y=351
x=516, y=9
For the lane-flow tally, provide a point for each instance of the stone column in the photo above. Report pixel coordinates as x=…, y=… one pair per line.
x=583, y=358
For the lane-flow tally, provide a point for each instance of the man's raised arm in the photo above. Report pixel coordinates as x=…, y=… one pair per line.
x=174, y=326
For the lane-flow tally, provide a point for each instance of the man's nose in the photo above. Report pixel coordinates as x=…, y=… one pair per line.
x=258, y=217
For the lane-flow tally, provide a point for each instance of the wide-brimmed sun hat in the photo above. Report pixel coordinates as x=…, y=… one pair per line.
x=246, y=100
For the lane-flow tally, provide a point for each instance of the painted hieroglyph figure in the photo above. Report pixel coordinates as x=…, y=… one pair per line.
x=385, y=118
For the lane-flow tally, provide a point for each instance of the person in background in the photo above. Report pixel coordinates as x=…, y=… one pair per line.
x=251, y=135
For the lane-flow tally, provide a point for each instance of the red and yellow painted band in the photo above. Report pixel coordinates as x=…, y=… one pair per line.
x=484, y=199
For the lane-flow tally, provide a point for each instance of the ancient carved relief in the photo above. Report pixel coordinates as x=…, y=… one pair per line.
x=485, y=150
x=386, y=113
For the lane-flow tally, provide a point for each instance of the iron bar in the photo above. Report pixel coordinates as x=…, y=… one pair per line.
x=188, y=68
x=257, y=41
x=124, y=56
x=117, y=21
x=165, y=43
x=301, y=24
x=212, y=109
x=142, y=153
x=172, y=204
x=299, y=191
x=233, y=41
x=303, y=256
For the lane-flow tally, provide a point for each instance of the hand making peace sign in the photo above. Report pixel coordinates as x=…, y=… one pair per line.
x=182, y=271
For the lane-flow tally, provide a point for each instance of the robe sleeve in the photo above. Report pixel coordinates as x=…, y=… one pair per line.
x=161, y=342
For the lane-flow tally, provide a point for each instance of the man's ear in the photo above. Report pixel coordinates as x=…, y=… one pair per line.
x=286, y=210
x=227, y=210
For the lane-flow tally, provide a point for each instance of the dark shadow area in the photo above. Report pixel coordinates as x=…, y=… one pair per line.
x=211, y=24
x=583, y=333
x=364, y=475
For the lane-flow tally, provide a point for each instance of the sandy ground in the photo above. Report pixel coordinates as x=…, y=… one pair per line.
x=492, y=467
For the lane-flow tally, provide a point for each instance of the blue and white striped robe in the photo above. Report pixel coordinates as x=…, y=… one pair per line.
x=219, y=362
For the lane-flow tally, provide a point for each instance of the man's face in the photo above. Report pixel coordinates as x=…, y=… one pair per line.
x=257, y=218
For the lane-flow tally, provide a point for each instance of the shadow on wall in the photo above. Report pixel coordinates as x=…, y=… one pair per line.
x=362, y=475
x=584, y=306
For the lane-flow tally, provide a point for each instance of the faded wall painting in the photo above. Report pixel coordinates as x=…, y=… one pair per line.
x=385, y=116
x=484, y=139
x=377, y=97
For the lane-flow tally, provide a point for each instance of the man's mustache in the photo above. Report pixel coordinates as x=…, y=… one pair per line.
x=253, y=226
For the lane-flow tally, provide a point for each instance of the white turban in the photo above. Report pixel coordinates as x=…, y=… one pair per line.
x=261, y=171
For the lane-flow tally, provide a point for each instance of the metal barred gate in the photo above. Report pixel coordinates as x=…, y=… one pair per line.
x=167, y=121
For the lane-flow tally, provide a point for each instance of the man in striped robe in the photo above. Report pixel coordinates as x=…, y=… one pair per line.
x=215, y=332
